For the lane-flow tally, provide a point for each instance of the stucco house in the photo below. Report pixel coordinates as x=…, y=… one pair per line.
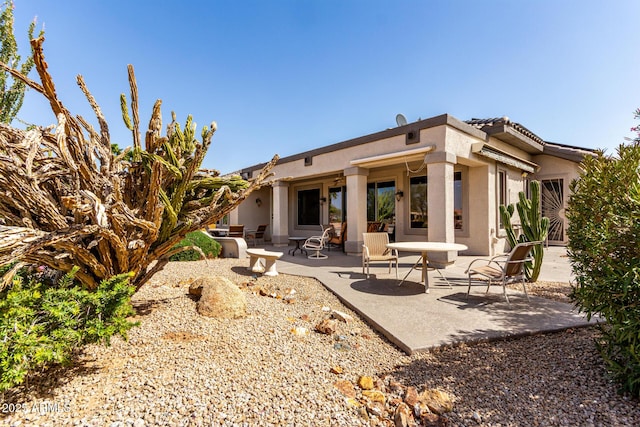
x=437, y=179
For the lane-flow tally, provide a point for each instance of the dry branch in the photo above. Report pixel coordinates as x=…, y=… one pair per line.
x=66, y=200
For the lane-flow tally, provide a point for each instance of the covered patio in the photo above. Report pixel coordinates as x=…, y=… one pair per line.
x=416, y=321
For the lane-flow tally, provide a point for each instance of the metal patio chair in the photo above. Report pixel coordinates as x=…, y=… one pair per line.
x=503, y=269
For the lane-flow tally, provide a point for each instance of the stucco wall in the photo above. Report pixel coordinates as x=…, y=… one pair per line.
x=452, y=151
x=251, y=215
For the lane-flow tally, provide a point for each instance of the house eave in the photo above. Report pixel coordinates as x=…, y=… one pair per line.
x=441, y=120
x=574, y=154
x=508, y=134
x=490, y=152
x=393, y=158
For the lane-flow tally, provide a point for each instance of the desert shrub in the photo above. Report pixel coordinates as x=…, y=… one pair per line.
x=44, y=317
x=209, y=247
x=604, y=248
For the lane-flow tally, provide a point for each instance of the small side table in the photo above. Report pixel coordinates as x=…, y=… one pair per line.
x=297, y=241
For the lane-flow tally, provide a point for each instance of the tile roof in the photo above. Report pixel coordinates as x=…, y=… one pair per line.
x=504, y=121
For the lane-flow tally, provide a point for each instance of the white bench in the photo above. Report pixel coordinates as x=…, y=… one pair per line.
x=232, y=247
x=269, y=269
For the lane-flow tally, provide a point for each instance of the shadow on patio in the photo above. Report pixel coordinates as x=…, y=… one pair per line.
x=414, y=320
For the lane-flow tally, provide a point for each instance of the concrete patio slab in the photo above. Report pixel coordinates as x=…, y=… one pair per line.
x=416, y=321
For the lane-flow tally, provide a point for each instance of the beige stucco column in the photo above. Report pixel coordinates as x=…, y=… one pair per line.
x=482, y=225
x=356, y=208
x=440, y=200
x=234, y=216
x=280, y=223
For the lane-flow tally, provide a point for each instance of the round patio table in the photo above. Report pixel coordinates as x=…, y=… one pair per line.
x=297, y=241
x=423, y=248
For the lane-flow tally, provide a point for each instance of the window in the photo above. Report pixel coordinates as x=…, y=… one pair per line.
x=309, y=207
x=337, y=204
x=527, y=190
x=419, y=208
x=457, y=200
x=502, y=193
x=224, y=221
x=381, y=202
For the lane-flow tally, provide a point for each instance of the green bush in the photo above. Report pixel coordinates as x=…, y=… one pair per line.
x=210, y=247
x=604, y=248
x=44, y=317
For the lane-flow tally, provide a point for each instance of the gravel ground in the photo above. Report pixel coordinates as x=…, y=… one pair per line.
x=179, y=368
x=558, y=291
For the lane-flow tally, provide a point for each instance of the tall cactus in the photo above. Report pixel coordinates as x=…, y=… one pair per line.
x=534, y=227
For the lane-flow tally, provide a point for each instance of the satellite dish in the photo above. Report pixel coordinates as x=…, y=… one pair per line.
x=401, y=120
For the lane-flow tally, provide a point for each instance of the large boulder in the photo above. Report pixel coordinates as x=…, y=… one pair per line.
x=219, y=297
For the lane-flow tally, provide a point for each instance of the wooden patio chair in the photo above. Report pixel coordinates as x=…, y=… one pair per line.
x=337, y=240
x=257, y=234
x=373, y=227
x=374, y=248
x=236, y=231
x=503, y=269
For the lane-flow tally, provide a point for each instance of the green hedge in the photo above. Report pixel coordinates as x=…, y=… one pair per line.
x=604, y=248
x=210, y=247
x=44, y=317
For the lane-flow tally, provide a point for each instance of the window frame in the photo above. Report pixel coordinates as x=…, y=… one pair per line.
x=502, y=193
x=426, y=198
x=300, y=190
x=463, y=203
x=376, y=208
x=343, y=202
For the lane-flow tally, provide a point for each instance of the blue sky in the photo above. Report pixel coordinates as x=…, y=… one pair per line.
x=289, y=76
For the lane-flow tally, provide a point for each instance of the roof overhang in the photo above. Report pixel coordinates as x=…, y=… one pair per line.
x=416, y=154
x=574, y=154
x=507, y=133
x=498, y=155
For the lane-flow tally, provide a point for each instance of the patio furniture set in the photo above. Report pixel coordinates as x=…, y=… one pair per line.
x=499, y=270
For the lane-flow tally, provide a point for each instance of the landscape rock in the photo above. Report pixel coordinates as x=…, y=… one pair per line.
x=342, y=346
x=220, y=298
x=365, y=382
x=300, y=331
x=376, y=408
x=429, y=419
x=374, y=395
x=337, y=370
x=396, y=386
x=346, y=388
x=195, y=288
x=327, y=326
x=402, y=416
x=289, y=295
x=411, y=396
x=437, y=401
x=340, y=315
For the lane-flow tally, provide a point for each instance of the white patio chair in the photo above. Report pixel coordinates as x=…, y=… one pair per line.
x=318, y=243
